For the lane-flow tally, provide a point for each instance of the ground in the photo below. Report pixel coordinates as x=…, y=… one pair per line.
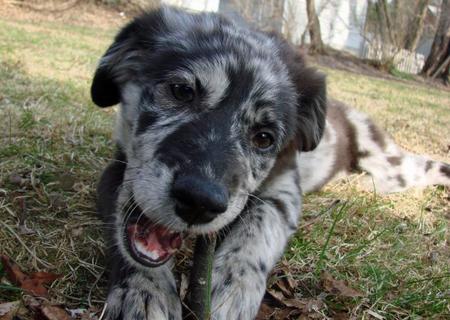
x=392, y=251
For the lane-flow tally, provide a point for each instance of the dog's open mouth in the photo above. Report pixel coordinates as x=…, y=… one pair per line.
x=149, y=243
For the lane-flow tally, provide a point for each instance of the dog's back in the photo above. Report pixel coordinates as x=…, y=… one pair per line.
x=354, y=143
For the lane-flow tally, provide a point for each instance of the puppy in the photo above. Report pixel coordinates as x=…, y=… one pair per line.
x=219, y=130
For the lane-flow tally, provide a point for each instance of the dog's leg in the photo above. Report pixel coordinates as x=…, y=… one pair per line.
x=135, y=293
x=254, y=244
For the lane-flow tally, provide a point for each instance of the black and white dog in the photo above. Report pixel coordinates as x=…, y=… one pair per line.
x=219, y=131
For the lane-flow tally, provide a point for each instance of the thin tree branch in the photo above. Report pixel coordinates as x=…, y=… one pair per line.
x=199, y=290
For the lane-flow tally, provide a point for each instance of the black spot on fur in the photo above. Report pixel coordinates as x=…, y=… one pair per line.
x=161, y=305
x=428, y=165
x=228, y=280
x=264, y=165
x=236, y=249
x=173, y=289
x=280, y=206
x=401, y=180
x=110, y=181
x=395, y=161
x=347, y=150
x=262, y=266
x=146, y=119
x=445, y=170
x=241, y=83
x=376, y=134
x=363, y=154
x=253, y=267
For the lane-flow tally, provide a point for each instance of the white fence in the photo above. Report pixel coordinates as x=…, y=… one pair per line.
x=404, y=60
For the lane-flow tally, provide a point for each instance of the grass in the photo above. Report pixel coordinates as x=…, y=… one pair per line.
x=54, y=143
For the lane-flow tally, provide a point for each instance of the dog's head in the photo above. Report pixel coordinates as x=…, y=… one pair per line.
x=206, y=107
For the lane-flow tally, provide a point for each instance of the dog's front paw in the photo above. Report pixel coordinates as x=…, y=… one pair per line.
x=126, y=303
x=237, y=295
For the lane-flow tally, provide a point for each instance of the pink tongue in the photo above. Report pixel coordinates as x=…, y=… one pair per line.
x=156, y=239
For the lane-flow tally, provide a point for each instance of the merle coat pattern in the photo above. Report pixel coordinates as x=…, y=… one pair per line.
x=219, y=130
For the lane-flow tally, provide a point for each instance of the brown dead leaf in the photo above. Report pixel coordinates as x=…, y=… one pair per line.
x=284, y=280
x=338, y=287
x=313, y=306
x=286, y=313
x=12, y=270
x=286, y=285
x=66, y=181
x=265, y=312
x=53, y=312
x=276, y=297
x=292, y=307
x=16, y=179
x=296, y=303
x=33, y=283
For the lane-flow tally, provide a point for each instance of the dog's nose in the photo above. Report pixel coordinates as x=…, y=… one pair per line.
x=199, y=200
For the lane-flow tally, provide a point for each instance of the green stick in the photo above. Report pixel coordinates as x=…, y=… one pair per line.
x=199, y=291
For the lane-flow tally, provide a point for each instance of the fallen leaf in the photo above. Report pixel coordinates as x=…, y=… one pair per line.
x=296, y=303
x=53, y=312
x=16, y=179
x=283, y=308
x=57, y=201
x=184, y=284
x=8, y=309
x=77, y=231
x=31, y=302
x=265, y=312
x=286, y=313
x=341, y=316
x=313, y=305
x=33, y=283
x=338, y=287
x=66, y=181
x=275, y=297
x=375, y=314
x=13, y=271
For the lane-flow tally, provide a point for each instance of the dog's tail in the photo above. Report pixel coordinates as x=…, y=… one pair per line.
x=359, y=145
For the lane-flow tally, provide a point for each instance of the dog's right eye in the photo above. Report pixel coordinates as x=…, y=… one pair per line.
x=263, y=140
x=182, y=92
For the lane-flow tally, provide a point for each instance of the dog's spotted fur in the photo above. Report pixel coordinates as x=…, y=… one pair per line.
x=353, y=143
x=246, y=81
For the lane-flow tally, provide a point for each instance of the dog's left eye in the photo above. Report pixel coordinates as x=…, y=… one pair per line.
x=263, y=140
x=182, y=92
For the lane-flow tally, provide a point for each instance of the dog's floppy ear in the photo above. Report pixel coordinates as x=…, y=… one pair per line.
x=121, y=61
x=311, y=101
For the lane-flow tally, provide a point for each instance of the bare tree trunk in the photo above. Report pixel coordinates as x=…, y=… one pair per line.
x=440, y=50
x=387, y=17
x=314, y=28
x=416, y=25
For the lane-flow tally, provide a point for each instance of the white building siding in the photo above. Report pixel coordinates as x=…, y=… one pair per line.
x=341, y=22
x=195, y=5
